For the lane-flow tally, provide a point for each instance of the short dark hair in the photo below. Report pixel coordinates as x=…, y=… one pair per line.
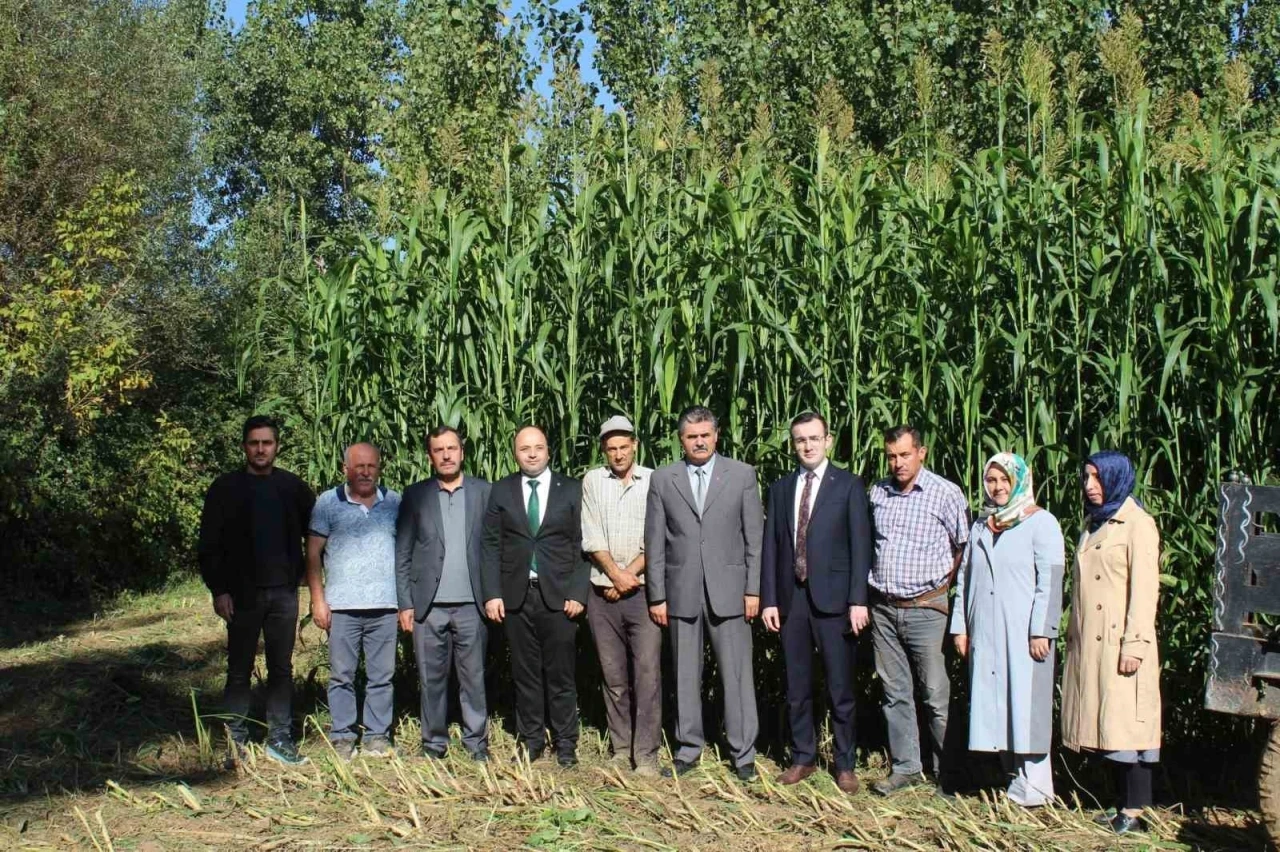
x=897, y=433
x=808, y=417
x=442, y=430
x=259, y=421
x=545, y=436
x=697, y=414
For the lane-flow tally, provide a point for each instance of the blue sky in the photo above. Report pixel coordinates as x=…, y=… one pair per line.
x=236, y=12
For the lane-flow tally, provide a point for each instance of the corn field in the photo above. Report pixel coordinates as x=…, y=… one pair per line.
x=1088, y=281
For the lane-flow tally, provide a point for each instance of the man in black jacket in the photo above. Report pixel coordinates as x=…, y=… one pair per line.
x=813, y=585
x=535, y=580
x=251, y=558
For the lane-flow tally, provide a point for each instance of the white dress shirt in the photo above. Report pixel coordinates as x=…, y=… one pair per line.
x=544, y=485
x=818, y=472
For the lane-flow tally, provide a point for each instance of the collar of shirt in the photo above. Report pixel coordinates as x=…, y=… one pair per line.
x=819, y=472
x=709, y=466
x=344, y=494
x=543, y=479
x=638, y=473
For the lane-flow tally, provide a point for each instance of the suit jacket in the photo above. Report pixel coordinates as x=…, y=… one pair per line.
x=420, y=542
x=838, y=544
x=225, y=548
x=507, y=545
x=717, y=554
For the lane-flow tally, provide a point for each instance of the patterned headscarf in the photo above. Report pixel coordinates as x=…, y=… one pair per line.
x=1115, y=473
x=1022, y=497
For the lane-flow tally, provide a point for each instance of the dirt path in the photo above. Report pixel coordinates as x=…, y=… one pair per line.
x=100, y=749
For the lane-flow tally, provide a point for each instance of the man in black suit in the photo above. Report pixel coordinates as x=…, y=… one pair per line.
x=438, y=534
x=536, y=581
x=817, y=555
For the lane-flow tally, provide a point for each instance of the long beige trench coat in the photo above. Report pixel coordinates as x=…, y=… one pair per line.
x=1113, y=612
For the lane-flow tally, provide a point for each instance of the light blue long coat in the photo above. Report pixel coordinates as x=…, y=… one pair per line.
x=1008, y=591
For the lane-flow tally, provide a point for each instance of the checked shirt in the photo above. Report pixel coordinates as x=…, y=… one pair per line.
x=917, y=533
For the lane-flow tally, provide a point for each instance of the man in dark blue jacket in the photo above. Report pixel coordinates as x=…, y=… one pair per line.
x=813, y=587
x=251, y=558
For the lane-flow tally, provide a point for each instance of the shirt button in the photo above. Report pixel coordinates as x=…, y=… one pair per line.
x=1097, y=547
x=1099, y=606
x=1099, y=638
x=1097, y=576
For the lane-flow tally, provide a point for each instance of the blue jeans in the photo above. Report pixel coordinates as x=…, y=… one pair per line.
x=374, y=632
x=908, y=643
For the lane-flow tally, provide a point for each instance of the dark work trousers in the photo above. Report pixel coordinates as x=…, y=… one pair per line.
x=629, y=646
x=274, y=617
x=804, y=627
x=542, y=666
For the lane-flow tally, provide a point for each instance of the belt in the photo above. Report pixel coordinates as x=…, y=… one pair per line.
x=934, y=599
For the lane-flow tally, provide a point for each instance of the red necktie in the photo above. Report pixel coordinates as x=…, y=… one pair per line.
x=802, y=530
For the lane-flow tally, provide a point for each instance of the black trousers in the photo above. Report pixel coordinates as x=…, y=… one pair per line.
x=543, y=651
x=804, y=627
x=274, y=617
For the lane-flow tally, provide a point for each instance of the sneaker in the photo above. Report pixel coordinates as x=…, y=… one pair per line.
x=376, y=747
x=344, y=749
x=679, y=768
x=895, y=782
x=286, y=753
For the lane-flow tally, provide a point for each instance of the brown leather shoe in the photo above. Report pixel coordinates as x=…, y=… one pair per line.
x=847, y=781
x=796, y=773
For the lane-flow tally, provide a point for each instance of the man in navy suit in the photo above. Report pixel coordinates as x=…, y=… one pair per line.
x=813, y=585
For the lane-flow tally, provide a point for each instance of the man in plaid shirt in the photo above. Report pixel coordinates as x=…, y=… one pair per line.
x=921, y=524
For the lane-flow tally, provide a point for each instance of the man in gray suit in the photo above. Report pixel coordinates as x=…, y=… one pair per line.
x=702, y=536
x=438, y=535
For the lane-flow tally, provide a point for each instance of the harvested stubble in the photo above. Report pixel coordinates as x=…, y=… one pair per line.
x=160, y=792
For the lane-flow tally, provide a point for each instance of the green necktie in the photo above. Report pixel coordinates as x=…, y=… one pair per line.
x=533, y=510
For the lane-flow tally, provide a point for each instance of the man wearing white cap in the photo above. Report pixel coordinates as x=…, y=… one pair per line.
x=628, y=643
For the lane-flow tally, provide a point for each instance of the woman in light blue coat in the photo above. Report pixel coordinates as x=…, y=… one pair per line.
x=1005, y=621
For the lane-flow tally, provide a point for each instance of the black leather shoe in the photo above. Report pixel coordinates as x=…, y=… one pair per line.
x=434, y=753
x=678, y=769
x=746, y=772
x=1104, y=818
x=567, y=759
x=481, y=756
x=1122, y=823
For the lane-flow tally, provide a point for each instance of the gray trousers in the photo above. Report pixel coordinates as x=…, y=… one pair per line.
x=731, y=642
x=629, y=646
x=908, y=645
x=452, y=634
x=374, y=632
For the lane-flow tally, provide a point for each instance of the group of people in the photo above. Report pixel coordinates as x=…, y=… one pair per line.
x=690, y=549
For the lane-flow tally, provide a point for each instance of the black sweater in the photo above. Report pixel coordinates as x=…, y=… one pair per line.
x=226, y=549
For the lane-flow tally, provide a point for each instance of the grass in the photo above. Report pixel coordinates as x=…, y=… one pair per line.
x=99, y=751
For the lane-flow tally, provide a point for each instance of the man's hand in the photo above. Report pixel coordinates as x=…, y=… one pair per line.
x=611, y=594
x=494, y=609
x=961, y=641
x=223, y=606
x=658, y=614
x=859, y=618
x=321, y=614
x=770, y=619
x=1039, y=648
x=573, y=609
x=1129, y=665
x=406, y=620
x=750, y=603
x=625, y=582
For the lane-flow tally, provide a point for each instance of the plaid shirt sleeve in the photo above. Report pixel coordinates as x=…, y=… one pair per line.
x=593, y=535
x=959, y=525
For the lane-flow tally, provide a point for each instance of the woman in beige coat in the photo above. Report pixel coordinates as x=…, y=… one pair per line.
x=1111, y=684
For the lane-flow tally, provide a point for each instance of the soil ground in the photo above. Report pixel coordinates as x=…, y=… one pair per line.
x=108, y=741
